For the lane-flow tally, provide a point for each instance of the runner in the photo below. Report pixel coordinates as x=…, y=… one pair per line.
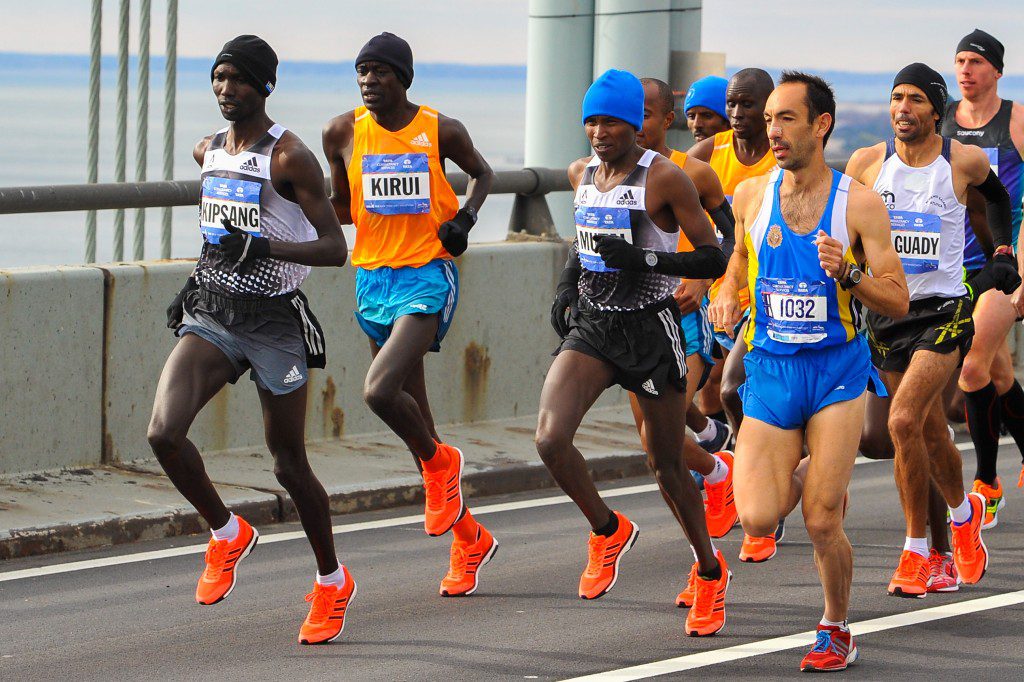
x=624, y=329
x=265, y=219
x=993, y=395
x=704, y=107
x=736, y=155
x=923, y=179
x=388, y=178
x=803, y=227
x=710, y=466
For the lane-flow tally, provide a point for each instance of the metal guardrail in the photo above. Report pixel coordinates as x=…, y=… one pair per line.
x=528, y=184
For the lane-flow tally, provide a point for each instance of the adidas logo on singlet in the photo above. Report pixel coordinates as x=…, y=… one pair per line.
x=251, y=166
x=293, y=376
x=627, y=199
x=421, y=140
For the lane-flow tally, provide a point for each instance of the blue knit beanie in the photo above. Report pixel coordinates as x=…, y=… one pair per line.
x=708, y=92
x=618, y=94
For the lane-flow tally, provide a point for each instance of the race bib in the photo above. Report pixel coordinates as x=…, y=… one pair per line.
x=236, y=200
x=396, y=184
x=796, y=311
x=594, y=221
x=915, y=236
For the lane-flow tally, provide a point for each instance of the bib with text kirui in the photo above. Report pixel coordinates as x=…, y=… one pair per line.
x=796, y=310
x=592, y=221
x=236, y=200
x=396, y=184
x=915, y=236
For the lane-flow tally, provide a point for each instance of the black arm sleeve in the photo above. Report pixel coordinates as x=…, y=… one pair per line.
x=569, y=280
x=998, y=210
x=704, y=262
x=726, y=224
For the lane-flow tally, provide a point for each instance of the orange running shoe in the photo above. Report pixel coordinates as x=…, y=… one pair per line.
x=993, y=501
x=720, y=508
x=466, y=560
x=603, y=557
x=685, y=598
x=444, y=494
x=222, y=557
x=969, y=551
x=755, y=550
x=707, y=615
x=911, y=576
x=942, y=573
x=327, y=607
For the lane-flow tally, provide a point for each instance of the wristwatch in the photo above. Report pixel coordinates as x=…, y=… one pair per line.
x=650, y=258
x=471, y=212
x=852, y=279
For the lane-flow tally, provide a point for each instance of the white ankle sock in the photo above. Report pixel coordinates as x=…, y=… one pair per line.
x=917, y=546
x=961, y=513
x=709, y=432
x=229, y=531
x=719, y=473
x=337, y=578
x=845, y=625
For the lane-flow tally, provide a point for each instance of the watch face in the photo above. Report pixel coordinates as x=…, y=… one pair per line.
x=651, y=259
x=856, y=275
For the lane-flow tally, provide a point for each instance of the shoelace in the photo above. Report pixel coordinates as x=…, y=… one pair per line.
x=823, y=643
x=459, y=559
x=908, y=569
x=216, y=557
x=595, y=554
x=716, y=497
x=320, y=604
x=703, y=595
x=434, y=488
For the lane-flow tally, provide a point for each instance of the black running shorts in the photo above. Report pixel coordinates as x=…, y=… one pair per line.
x=645, y=347
x=941, y=325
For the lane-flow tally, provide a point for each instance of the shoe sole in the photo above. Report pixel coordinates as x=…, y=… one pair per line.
x=849, y=661
x=351, y=598
x=952, y=588
x=462, y=501
x=898, y=592
x=476, y=576
x=234, y=571
x=984, y=548
x=751, y=560
x=724, y=615
x=615, y=576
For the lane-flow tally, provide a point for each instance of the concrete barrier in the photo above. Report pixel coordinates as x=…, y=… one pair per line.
x=95, y=361
x=51, y=368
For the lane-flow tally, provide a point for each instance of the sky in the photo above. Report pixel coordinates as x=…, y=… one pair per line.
x=862, y=35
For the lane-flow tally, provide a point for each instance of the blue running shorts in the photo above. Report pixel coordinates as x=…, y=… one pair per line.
x=698, y=333
x=723, y=340
x=787, y=390
x=385, y=294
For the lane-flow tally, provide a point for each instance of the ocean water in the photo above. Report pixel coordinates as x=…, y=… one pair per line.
x=45, y=113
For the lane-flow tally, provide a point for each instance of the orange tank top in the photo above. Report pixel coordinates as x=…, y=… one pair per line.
x=400, y=194
x=731, y=172
x=679, y=158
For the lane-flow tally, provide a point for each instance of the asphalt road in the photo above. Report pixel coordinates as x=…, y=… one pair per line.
x=138, y=620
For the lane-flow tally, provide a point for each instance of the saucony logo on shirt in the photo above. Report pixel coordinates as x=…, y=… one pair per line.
x=251, y=166
x=421, y=140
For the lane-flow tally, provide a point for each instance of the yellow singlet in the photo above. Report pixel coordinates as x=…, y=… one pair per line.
x=400, y=194
x=732, y=172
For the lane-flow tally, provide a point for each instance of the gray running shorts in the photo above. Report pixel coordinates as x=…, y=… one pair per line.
x=268, y=341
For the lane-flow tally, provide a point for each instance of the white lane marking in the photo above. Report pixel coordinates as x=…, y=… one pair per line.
x=271, y=538
x=72, y=566
x=801, y=639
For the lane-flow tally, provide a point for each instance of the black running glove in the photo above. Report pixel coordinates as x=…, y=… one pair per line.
x=240, y=246
x=454, y=234
x=567, y=296
x=1000, y=272
x=619, y=254
x=176, y=310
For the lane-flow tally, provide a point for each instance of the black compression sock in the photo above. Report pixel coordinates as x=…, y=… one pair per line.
x=608, y=529
x=983, y=415
x=1012, y=405
x=712, y=575
x=720, y=416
